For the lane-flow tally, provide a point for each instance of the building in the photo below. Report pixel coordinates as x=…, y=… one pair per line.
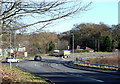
x=89, y=49
x=84, y=48
x=20, y=51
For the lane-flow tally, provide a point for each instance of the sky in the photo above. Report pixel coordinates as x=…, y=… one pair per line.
x=105, y=11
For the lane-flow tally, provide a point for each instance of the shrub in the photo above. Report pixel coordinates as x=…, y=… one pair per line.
x=79, y=51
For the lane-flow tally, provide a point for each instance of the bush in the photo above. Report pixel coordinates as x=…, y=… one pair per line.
x=79, y=51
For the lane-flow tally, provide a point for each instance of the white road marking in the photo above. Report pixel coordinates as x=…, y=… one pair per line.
x=87, y=77
x=97, y=80
x=52, y=65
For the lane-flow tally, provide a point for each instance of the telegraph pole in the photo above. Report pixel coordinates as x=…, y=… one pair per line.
x=73, y=44
x=10, y=50
x=119, y=24
x=14, y=44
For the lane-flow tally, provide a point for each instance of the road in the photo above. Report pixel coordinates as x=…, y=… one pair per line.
x=85, y=56
x=55, y=71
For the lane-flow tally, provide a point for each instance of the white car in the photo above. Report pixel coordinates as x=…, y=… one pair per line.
x=8, y=59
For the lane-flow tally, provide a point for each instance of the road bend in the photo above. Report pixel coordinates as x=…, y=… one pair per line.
x=56, y=72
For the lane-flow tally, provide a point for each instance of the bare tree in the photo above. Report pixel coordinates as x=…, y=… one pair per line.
x=62, y=44
x=17, y=14
x=12, y=12
x=40, y=41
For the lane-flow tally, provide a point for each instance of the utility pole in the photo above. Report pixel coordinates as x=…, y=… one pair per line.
x=118, y=24
x=98, y=46
x=10, y=50
x=73, y=44
x=14, y=44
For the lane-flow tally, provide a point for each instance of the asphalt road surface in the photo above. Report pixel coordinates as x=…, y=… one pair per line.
x=55, y=71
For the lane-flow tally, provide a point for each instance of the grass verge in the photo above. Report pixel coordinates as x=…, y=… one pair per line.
x=18, y=76
x=97, y=67
x=31, y=56
x=82, y=53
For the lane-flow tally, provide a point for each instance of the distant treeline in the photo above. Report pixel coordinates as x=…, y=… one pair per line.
x=100, y=37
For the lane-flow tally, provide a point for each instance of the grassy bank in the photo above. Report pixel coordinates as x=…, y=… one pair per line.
x=18, y=76
x=82, y=53
x=108, y=60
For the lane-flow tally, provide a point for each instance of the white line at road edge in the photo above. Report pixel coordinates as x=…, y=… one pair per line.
x=90, y=78
x=80, y=75
x=97, y=80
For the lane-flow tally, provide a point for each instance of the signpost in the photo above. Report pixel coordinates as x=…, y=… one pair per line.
x=25, y=54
